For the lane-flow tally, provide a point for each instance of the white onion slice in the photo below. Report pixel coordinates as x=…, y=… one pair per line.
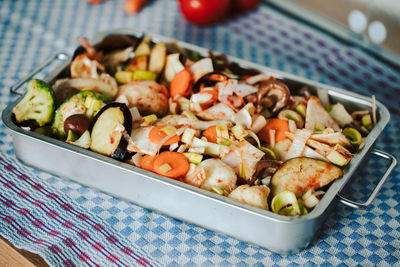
x=259, y=123
x=135, y=113
x=292, y=126
x=122, y=99
x=243, y=89
x=182, y=148
x=165, y=139
x=310, y=199
x=373, y=110
x=323, y=96
x=255, y=137
x=272, y=137
x=299, y=142
x=258, y=78
x=135, y=160
x=199, y=150
x=173, y=146
x=243, y=118
x=266, y=180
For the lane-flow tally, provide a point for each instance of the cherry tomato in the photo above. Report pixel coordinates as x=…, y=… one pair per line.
x=245, y=5
x=204, y=12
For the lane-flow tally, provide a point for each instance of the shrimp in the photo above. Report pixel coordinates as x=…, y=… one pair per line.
x=218, y=175
x=149, y=97
x=256, y=196
x=83, y=67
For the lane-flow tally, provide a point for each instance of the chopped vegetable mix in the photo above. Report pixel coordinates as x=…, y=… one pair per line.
x=203, y=121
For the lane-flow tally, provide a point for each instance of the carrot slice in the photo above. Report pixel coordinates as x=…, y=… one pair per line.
x=180, y=84
x=133, y=6
x=211, y=134
x=280, y=126
x=176, y=164
x=146, y=162
x=156, y=135
x=217, y=77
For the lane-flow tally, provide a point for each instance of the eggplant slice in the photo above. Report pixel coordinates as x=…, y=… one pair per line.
x=298, y=175
x=108, y=128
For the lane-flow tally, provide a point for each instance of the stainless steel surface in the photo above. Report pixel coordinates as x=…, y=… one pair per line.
x=275, y=232
x=59, y=56
x=355, y=204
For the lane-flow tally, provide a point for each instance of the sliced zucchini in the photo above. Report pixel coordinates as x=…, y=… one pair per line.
x=74, y=105
x=298, y=175
x=37, y=104
x=107, y=130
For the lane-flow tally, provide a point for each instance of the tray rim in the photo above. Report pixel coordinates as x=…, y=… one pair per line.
x=320, y=209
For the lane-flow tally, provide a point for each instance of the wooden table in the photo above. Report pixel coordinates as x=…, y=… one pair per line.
x=12, y=256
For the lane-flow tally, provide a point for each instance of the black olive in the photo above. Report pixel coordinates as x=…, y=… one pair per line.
x=78, y=123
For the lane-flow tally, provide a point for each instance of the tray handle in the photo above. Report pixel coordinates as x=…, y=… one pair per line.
x=58, y=56
x=354, y=204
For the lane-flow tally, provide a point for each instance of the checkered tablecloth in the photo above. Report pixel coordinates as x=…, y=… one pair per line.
x=31, y=31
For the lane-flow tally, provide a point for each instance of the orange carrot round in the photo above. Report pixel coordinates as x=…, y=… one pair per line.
x=146, y=162
x=171, y=164
x=280, y=126
x=133, y=6
x=211, y=134
x=180, y=84
x=95, y=1
x=156, y=135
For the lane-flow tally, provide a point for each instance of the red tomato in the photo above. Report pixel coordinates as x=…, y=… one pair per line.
x=244, y=5
x=204, y=12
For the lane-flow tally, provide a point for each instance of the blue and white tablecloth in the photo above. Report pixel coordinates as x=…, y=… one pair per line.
x=31, y=31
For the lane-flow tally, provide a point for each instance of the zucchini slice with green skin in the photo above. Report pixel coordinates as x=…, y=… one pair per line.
x=298, y=175
x=108, y=128
x=73, y=105
x=37, y=104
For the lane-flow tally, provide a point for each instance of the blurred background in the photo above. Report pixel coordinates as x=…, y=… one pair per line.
x=371, y=24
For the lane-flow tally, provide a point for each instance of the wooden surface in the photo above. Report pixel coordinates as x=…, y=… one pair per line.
x=12, y=256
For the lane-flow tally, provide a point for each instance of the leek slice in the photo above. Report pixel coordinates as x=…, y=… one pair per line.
x=285, y=203
x=269, y=152
x=143, y=75
x=353, y=135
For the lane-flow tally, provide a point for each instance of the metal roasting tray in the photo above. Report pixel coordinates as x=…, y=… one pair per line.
x=285, y=235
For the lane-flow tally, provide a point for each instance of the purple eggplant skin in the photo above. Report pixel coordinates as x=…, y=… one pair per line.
x=119, y=148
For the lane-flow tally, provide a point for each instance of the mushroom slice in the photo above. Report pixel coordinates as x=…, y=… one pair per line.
x=266, y=168
x=316, y=113
x=273, y=95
